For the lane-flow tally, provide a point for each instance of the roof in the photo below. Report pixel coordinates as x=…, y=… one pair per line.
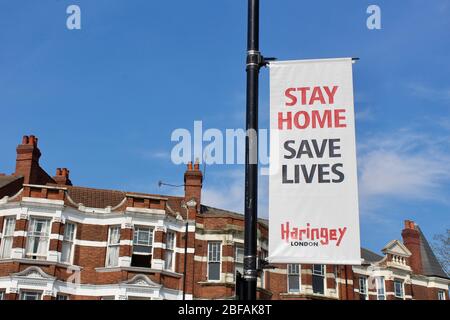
x=430, y=264
x=10, y=185
x=102, y=198
x=370, y=256
x=5, y=180
x=95, y=198
x=216, y=212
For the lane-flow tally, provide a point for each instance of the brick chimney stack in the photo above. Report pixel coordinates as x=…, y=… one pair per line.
x=62, y=177
x=411, y=239
x=27, y=162
x=193, y=179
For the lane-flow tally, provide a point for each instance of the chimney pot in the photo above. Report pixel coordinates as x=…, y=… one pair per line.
x=32, y=140
x=25, y=140
x=58, y=172
x=197, y=164
x=189, y=166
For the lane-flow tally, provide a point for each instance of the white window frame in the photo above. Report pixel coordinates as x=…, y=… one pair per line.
x=2, y=295
x=65, y=296
x=149, y=243
x=111, y=245
x=336, y=276
x=7, y=234
x=71, y=242
x=402, y=293
x=238, y=263
x=211, y=259
x=170, y=250
x=441, y=295
x=22, y=293
x=363, y=280
x=262, y=276
x=294, y=269
x=32, y=234
x=380, y=282
x=323, y=274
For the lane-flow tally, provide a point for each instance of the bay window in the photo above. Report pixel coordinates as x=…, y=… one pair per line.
x=113, y=249
x=38, y=238
x=214, y=260
x=68, y=243
x=170, y=253
x=142, y=247
x=293, y=274
x=6, y=244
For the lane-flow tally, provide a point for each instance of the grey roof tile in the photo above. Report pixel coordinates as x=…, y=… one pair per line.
x=430, y=264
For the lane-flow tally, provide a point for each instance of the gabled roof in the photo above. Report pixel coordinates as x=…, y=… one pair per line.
x=430, y=264
x=397, y=248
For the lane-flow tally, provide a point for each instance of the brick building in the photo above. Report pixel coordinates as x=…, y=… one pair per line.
x=59, y=241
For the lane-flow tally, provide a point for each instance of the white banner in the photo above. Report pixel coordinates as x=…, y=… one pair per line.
x=313, y=192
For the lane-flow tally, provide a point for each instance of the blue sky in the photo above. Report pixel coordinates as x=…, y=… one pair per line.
x=105, y=99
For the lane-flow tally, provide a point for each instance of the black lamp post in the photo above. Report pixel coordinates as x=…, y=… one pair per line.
x=254, y=63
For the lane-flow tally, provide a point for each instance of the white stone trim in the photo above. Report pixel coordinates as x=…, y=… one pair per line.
x=43, y=201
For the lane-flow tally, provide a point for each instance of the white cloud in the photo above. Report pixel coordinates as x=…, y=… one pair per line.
x=404, y=164
x=429, y=93
x=153, y=154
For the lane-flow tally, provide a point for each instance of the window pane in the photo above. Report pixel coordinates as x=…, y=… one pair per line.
x=10, y=225
x=318, y=284
x=294, y=283
x=214, y=271
x=318, y=269
x=169, y=258
x=214, y=251
x=142, y=249
x=29, y=295
x=6, y=247
x=114, y=235
x=239, y=255
x=143, y=236
x=293, y=269
x=66, y=252
x=37, y=241
x=380, y=288
x=113, y=256
x=69, y=231
x=170, y=240
x=398, y=286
